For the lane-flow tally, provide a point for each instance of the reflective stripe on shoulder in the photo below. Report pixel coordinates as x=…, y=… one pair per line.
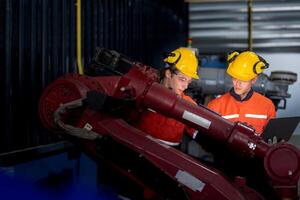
x=256, y=116
x=231, y=116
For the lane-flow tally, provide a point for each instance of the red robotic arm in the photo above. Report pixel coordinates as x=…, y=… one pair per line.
x=138, y=86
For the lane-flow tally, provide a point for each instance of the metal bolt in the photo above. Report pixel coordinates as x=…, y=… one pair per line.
x=251, y=145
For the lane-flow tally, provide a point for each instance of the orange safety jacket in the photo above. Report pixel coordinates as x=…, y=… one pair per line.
x=165, y=129
x=255, y=110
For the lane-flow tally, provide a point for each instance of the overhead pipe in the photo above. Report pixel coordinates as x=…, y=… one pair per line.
x=78, y=37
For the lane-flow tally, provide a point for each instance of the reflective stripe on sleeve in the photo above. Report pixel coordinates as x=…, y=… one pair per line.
x=231, y=116
x=256, y=116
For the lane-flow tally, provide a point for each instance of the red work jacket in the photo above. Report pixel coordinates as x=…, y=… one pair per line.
x=167, y=130
x=255, y=111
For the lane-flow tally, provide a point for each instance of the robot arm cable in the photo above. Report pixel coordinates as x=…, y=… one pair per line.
x=71, y=130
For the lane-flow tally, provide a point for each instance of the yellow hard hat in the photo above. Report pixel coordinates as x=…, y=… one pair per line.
x=245, y=65
x=185, y=61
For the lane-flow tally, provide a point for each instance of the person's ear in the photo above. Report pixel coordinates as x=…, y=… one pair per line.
x=253, y=81
x=168, y=74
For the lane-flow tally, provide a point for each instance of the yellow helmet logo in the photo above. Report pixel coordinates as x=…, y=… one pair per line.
x=245, y=65
x=184, y=60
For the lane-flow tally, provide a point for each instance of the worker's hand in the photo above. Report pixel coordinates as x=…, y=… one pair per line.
x=272, y=140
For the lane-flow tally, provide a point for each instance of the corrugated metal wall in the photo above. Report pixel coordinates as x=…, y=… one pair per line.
x=219, y=27
x=38, y=44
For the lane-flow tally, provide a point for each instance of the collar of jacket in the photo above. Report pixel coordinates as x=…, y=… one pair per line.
x=238, y=98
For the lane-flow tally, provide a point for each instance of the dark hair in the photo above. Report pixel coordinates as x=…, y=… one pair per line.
x=170, y=67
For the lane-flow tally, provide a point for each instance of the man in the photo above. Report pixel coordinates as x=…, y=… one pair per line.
x=181, y=69
x=241, y=103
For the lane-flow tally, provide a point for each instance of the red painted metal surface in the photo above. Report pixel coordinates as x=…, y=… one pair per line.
x=281, y=161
